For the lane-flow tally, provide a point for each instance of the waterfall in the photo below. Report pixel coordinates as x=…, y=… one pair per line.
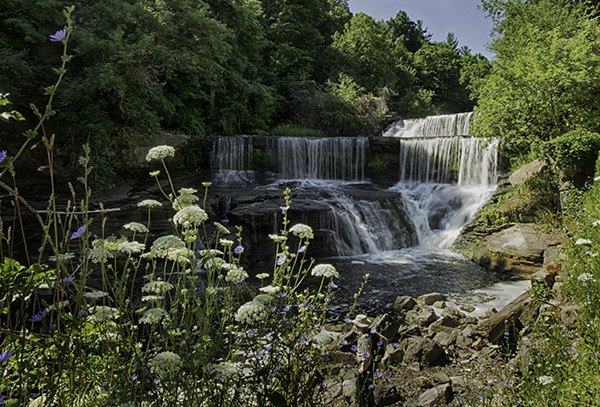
x=432, y=126
x=232, y=153
x=361, y=226
x=231, y=161
x=445, y=175
x=466, y=160
x=335, y=158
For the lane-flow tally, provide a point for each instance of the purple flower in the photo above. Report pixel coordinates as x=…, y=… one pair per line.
x=134, y=378
x=389, y=374
x=157, y=381
x=286, y=308
x=373, y=331
x=322, y=387
x=238, y=249
x=284, y=208
x=79, y=232
x=326, y=299
x=395, y=345
x=82, y=160
x=366, y=355
x=379, y=343
x=378, y=374
x=353, y=348
x=347, y=320
x=347, y=366
x=4, y=356
x=2, y=155
x=348, y=399
x=59, y=35
x=66, y=280
x=281, y=260
x=372, y=386
x=332, y=285
x=38, y=317
x=301, y=249
x=344, y=342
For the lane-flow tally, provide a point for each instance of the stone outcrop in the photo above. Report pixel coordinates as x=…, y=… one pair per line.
x=527, y=171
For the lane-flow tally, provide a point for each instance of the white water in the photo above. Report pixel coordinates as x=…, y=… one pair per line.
x=232, y=153
x=432, y=126
x=336, y=158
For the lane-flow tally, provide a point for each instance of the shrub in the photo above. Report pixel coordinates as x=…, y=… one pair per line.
x=575, y=154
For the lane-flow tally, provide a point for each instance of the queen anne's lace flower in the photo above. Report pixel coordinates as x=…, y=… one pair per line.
x=103, y=314
x=226, y=242
x=131, y=247
x=303, y=231
x=324, y=270
x=182, y=255
x=95, y=295
x=163, y=245
x=227, y=370
x=136, y=227
x=149, y=203
x=153, y=316
x=221, y=228
x=165, y=364
x=262, y=276
x=236, y=274
x=157, y=287
x=160, y=152
x=102, y=250
x=251, y=312
x=190, y=215
x=277, y=238
x=186, y=198
x=214, y=263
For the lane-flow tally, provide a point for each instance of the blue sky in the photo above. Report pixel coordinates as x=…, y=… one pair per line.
x=462, y=17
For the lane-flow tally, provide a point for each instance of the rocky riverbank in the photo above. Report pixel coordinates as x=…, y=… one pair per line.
x=427, y=353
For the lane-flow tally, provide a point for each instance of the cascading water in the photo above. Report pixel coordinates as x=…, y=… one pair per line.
x=432, y=126
x=335, y=158
x=231, y=161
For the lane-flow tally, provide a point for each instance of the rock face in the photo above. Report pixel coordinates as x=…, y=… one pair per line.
x=527, y=171
x=518, y=247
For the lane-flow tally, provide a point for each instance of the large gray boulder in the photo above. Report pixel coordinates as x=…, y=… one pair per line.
x=527, y=171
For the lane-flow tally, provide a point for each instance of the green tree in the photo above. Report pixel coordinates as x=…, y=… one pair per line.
x=546, y=76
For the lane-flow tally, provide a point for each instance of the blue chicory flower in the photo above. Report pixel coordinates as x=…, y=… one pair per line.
x=378, y=374
x=354, y=348
x=301, y=249
x=79, y=232
x=286, y=308
x=238, y=249
x=281, y=259
x=59, y=35
x=38, y=317
x=4, y=356
x=3, y=155
x=284, y=208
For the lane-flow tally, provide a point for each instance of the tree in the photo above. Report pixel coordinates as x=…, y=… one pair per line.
x=546, y=76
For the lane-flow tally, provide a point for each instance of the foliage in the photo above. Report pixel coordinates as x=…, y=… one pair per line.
x=544, y=79
x=575, y=154
x=284, y=130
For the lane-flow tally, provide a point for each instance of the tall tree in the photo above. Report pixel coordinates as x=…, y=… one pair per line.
x=546, y=76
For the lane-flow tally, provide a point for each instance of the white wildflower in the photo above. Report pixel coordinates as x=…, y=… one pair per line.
x=153, y=316
x=221, y=228
x=149, y=203
x=235, y=274
x=181, y=255
x=585, y=277
x=251, y=312
x=277, y=238
x=157, y=287
x=544, y=380
x=186, y=198
x=190, y=215
x=165, y=364
x=583, y=241
x=101, y=251
x=95, y=295
x=210, y=253
x=103, y=313
x=262, y=276
x=214, y=263
x=596, y=223
x=131, y=247
x=149, y=298
x=160, y=152
x=269, y=289
x=136, y=227
x=227, y=370
x=303, y=231
x=162, y=246
x=226, y=242
x=263, y=299
x=324, y=270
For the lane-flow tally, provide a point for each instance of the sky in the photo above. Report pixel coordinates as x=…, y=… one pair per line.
x=469, y=24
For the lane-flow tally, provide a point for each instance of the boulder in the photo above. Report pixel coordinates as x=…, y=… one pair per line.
x=518, y=247
x=422, y=350
x=527, y=171
x=438, y=395
x=386, y=326
x=404, y=303
x=431, y=298
x=509, y=319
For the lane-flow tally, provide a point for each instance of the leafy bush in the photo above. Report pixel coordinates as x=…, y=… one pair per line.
x=576, y=153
